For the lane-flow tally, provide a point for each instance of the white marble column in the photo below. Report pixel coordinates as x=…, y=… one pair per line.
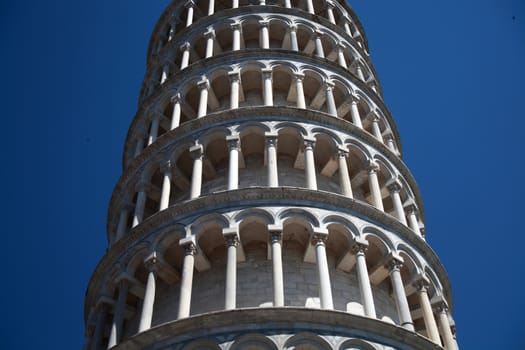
x=398, y=289
x=118, y=316
x=422, y=285
x=444, y=327
x=367, y=298
x=412, y=218
x=139, y=146
x=185, y=60
x=211, y=7
x=235, y=88
x=236, y=41
x=373, y=182
x=262, y=2
x=173, y=27
x=122, y=222
x=197, y=154
x=330, y=12
x=341, y=55
x=271, y=153
x=175, y=116
x=309, y=163
x=165, y=73
x=277, y=266
x=288, y=4
x=232, y=241
x=235, y=4
x=233, y=142
x=209, y=35
x=310, y=7
x=319, y=51
x=189, y=18
x=344, y=176
x=149, y=295
x=354, y=112
x=203, y=99
x=102, y=312
x=294, y=45
x=376, y=130
x=325, y=288
x=186, y=283
x=268, y=88
x=346, y=25
x=138, y=215
x=330, y=100
x=390, y=143
x=264, y=34
x=166, y=186
x=394, y=187
x=300, y=103
x=154, y=129
x=359, y=71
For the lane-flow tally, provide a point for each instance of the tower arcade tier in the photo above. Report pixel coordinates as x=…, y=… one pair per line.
x=264, y=203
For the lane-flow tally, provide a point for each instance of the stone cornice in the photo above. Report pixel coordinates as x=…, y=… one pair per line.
x=275, y=319
x=262, y=196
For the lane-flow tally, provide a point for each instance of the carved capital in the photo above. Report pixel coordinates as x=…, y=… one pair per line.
x=439, y=304
x=319, y=237
x=276, y=236
x=203, y=84
x=421, y=283
x=267, y=73
x=394, y=262
x=236, y=26
x=233, y=141
x=234, y=75
x=394, y=185
x=209, y=33
x=196, y=151
x=328, y=85
x=175, y=98
x=309, y=142
x=411, y=209
x=299, y=76
x=372, y=166
x=165, y=167
x=360, y=246
x=231, y=236
x=355, y=98
x=342, y=152
x=151, y=262
x=185, y=46
x=271, y=138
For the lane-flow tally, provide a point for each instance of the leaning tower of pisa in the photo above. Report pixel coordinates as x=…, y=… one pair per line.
x=264, y=203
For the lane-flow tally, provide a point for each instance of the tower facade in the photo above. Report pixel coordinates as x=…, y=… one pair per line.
x=264, y=203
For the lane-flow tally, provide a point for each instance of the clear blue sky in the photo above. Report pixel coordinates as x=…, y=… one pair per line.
x=452, y=74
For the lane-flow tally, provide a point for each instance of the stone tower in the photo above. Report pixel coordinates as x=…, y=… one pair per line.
x=263, y=202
